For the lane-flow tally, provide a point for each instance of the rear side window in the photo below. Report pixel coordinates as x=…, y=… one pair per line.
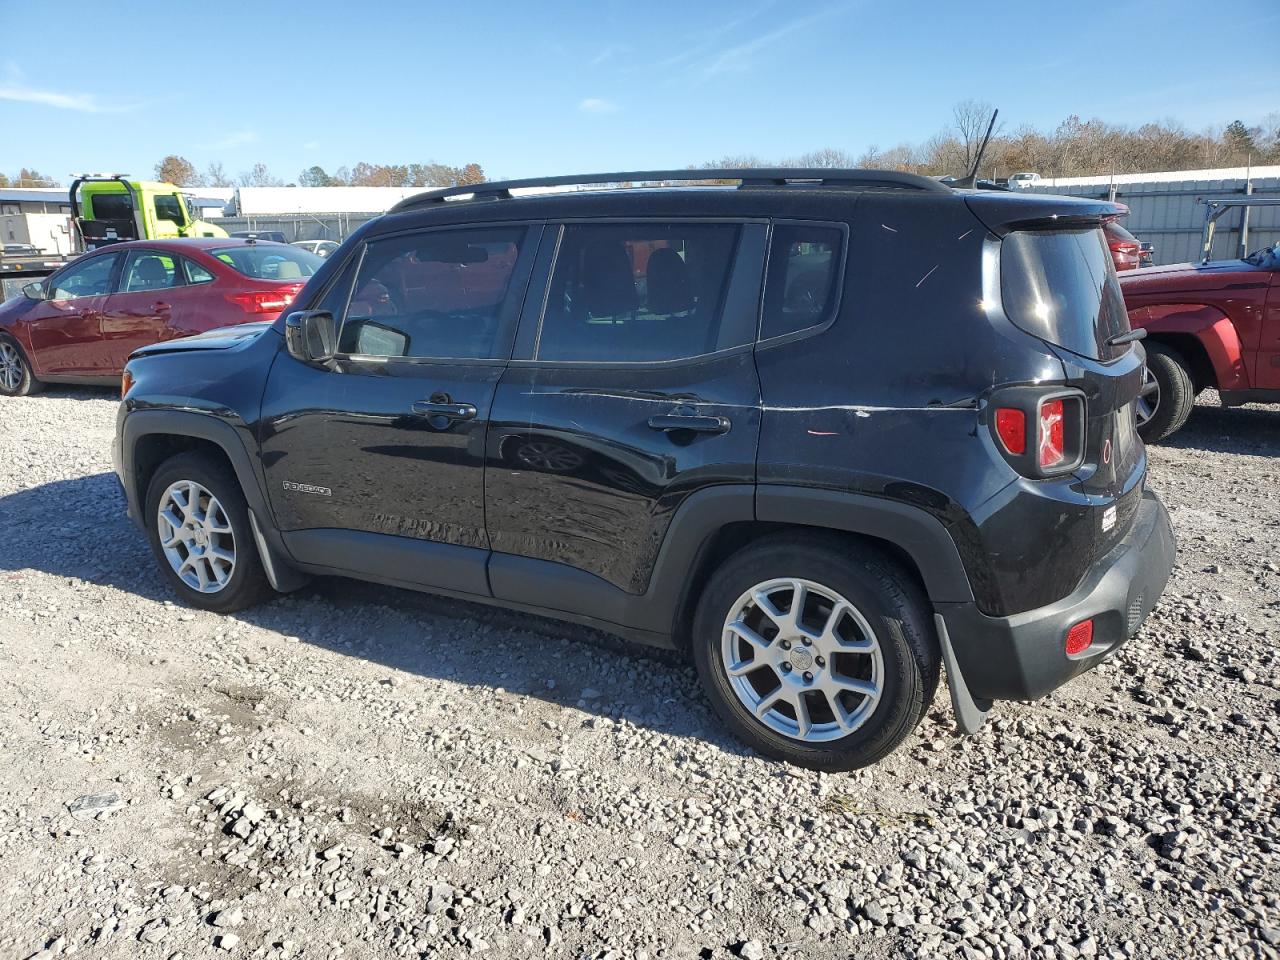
x=803, y=282
x=269, y=261
x=639, y=292
x=112, y=206
x=439, y=294
x=1061, y=286
x=195, y=272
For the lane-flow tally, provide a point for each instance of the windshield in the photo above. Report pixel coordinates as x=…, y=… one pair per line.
x=1267, y=258
x=1061, y=286
x=269, y=261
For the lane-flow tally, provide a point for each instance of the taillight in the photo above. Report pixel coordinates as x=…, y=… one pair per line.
x=1041, y=432
x=1079, y=638
x=1050, y=434
x=1011, y=428
x=266, y=301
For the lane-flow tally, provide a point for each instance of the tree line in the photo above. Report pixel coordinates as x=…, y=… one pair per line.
x=1074, y=148
x=179, y=170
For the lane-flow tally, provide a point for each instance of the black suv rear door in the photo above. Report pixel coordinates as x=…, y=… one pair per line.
x=632, y=388
x=374, y=465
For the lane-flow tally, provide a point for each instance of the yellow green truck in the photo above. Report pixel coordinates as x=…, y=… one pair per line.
x=109, y=208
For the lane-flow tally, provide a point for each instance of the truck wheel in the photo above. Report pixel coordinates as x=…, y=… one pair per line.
x=816, y=651
x=16, y=378
x=198, y=524
x=1168, y=394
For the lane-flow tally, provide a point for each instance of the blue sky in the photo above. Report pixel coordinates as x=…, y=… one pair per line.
x=531, y=89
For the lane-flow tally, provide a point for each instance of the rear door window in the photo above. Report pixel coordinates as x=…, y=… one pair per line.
x=1061, y=286
x=150, y=270
x=802, y=287
x=641, y=292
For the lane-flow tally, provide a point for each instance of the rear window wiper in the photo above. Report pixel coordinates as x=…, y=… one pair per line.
x=1129, y=337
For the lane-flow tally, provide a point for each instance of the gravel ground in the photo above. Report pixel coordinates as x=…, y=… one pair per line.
x=355, y=771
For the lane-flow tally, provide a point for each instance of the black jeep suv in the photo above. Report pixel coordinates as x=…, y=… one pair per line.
x=825, y=430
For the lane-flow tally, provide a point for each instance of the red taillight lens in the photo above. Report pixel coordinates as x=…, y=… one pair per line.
x=1049, y=432
x=266, y=301
x=1011, y=428
x=1079, y=638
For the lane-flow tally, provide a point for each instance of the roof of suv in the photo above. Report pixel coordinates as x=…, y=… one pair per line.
x=773, y=191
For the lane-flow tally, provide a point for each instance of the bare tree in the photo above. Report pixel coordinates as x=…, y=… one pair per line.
x=215, y=176
x=971, y=120
x=259, y=176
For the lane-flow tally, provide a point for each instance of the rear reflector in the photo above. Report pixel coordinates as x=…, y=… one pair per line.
x=1079, y=638
x=1011, y=428
x=1051, y=442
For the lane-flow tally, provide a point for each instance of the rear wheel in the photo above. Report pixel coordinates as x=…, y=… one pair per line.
x=198, y=524
x=1168, y=394
x=16, y=378
x=816, y=652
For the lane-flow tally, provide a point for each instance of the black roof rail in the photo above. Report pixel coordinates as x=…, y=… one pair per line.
x=746, y=177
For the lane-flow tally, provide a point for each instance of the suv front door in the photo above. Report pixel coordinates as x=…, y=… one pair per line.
x=632, y=389
x=374, y=464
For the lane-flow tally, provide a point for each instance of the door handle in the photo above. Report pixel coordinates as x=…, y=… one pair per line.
x=448, y=411
x=685, y=418
x=160, y=306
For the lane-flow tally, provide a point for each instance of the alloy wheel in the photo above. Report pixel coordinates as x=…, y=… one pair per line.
x=1148, y=397
x=12, y=368
x=802, y=659
x=196, y=536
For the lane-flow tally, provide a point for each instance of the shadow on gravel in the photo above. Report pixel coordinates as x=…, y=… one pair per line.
x=78, y=529
x=1253, y=431
x=67, y=391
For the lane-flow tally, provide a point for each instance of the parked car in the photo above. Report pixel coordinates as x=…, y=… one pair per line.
x=275, y=236
x=81, y=323
x=321, y=248
x=580, y=405
x=1126, y=251
x=1209, y=325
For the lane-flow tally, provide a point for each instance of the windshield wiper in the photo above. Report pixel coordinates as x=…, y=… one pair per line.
x=1129, y=337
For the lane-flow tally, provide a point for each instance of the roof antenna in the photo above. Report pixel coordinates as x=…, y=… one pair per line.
x=971, y=179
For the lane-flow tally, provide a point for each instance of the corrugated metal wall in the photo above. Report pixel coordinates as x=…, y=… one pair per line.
x=1168, y=215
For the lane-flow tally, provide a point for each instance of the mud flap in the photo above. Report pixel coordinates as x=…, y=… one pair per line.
x=969, y=715
x=283, y=578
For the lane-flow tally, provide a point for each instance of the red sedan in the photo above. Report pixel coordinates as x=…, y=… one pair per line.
x=81, y=324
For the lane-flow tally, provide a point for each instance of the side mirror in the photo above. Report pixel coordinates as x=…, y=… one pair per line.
x=36, y=290
x=311, y=335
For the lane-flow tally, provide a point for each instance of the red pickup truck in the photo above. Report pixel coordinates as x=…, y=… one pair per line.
x=1214, y=324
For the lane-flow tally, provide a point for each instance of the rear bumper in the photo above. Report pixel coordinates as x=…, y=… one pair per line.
x=1022, y=657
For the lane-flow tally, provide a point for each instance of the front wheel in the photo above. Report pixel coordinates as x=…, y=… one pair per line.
x=198, y=525
x=817, y=652
x=16, y=378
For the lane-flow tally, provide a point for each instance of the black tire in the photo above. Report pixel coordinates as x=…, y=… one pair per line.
x=891, y=602
x=248, y=583
x=1177, y=393
x=27, y=383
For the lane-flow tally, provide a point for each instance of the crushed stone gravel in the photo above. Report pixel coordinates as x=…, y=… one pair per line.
x=357, y=771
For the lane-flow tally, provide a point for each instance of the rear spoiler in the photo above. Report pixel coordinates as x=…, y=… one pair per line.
x=1003, y=213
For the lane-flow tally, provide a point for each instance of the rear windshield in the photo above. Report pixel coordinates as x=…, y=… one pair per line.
x=1061, y=286
x=269, y=261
